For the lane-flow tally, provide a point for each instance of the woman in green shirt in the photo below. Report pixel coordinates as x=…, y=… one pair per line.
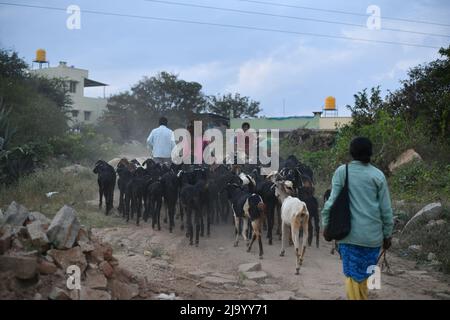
x=371, y=217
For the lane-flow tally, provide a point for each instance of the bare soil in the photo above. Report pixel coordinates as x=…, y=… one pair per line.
x=171, y=265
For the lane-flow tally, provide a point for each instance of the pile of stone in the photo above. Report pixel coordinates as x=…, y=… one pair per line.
x=38, y=258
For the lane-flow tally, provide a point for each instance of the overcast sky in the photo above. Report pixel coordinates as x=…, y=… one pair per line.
x=268, y=67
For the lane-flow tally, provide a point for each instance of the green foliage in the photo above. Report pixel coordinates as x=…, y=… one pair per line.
x=366, y=108
x=73, y=189
x=87, y=145
x=135, y=113
x=6, y=132
x=419, y=181
x=425, y=96
x=16, y=162
x=390, y=136
x=11, y=66
x=132, y=114
x=432, y=240
x=235, y=105
x=37, y=106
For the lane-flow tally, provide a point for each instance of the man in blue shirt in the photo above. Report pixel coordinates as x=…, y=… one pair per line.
x=161, y=141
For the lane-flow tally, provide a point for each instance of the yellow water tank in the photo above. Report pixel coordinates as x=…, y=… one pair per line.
x=41, y=55
x=330, y=103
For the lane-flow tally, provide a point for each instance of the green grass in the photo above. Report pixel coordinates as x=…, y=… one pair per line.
x=73, y=190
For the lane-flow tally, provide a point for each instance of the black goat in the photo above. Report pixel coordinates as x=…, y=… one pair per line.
x=125, y=171
x=134, y=194
x=193, y=197
x=326, y=196
x=247, y=206
x=153, y=203
x=313, y=208
x=266, y=189
x=106, y=183
x=169, y=182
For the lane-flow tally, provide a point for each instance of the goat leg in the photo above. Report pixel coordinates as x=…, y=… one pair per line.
x=284, y=235
x=181, y=217
x=158, y=213
x=317, y=236
x=236, y=231
x=251, y=243
x=198, y=218
x=261, y=251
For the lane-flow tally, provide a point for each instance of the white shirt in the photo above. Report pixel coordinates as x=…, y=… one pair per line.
x=161, y=140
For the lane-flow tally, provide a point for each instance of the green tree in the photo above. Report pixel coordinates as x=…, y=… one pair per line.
x=136, y=112
x=425, y=96
x=37, y=106
x=233, y=105
x=365, y=109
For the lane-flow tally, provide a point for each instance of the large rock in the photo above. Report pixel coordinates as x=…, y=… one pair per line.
x=431, y=256
x=64, y=228
x=75, y=169
x=415, y=248
x=84, y=241
x=123, y=291
x=6, y=237
x=16, y=214
x=24, y=267
x=66, y=258
x=101, y=252
x=95, y=279
x=255, y=275
x=58, y=294
x=37, y=216
x=431, y=211
x=246, y=267
x=107, y=269
x=93, y=294
x=47, y=267
x=37, y=236
x=406, y=157
x=217, y=280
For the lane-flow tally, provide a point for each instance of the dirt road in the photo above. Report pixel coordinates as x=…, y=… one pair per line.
x=210, y=271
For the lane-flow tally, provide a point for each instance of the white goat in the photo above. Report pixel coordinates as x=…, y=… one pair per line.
x=294, y=214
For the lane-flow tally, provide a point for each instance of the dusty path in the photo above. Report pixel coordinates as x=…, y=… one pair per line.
x=211, y=270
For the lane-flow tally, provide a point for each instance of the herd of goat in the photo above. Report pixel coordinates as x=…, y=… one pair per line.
x=208, y=194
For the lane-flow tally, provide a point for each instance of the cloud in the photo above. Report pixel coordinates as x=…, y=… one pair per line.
x=285, y=67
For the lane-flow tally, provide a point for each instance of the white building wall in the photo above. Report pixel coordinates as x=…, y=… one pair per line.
x=82, y=104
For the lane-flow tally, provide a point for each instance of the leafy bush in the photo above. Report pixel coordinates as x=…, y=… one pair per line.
x=432, y=240
x=419, y=181
x=87, y=145
x=390, y=137
x=15, y=163
x=73, y=189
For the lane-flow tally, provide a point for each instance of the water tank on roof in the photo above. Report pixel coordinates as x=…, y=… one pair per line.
x=41, y=56
x=330, y=103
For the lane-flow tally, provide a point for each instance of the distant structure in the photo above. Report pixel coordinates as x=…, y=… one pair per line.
x=330, y=108
x=326, y=120
x=41, y=58
x=85, y=110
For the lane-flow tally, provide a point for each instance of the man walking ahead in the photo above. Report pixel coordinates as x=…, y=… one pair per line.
x=161, y=141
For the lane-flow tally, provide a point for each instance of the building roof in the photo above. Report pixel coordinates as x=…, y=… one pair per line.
x=93, y=83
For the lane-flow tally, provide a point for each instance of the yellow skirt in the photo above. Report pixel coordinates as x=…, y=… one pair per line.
x=356, y=290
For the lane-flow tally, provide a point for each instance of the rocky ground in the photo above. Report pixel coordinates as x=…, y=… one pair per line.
x=136, y=262
x=218, y=270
